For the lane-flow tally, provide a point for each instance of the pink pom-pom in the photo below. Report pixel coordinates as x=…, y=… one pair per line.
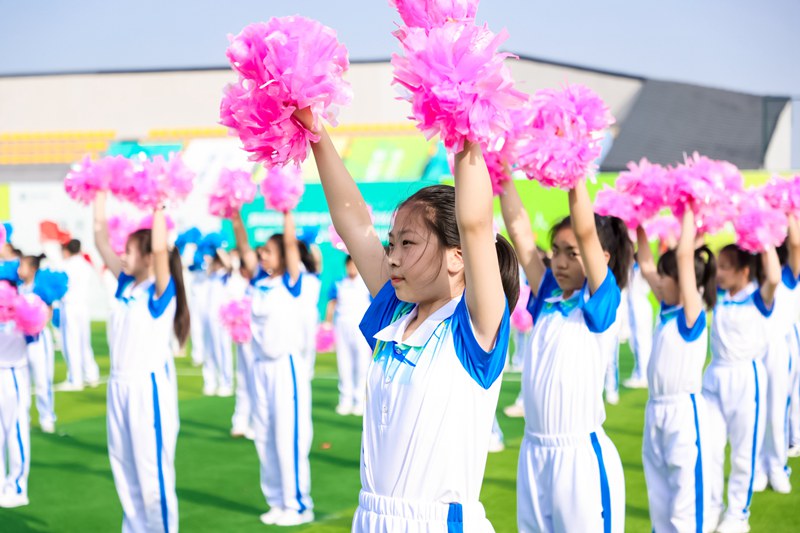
x=783, y=194
x=8, y=296
x=521, y=319
x=284, y=65
x=3, y=235
x=235, y=318
x=326, y=339
x=147, y=223
x=89, y=177
x=119, y=229
x=431, y=13
x=283, y=188
x=457, y=83
x=665, y=228
x=758, y=225
x=234, y=189
x=151, y=183
x=30, y=314
x=712, y=190
x=565, y=136
x=611, y=202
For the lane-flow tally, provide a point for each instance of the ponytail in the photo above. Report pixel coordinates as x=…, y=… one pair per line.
x=181, y=323
x=509, y=270
x=34, y=261
x=705, y=270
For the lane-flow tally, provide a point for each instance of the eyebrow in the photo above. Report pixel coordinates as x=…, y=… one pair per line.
x=402, y=232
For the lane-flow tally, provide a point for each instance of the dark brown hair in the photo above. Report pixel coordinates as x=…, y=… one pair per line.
x=180, y=325
x=705, y=272
x=437, y=206
x=742, y=259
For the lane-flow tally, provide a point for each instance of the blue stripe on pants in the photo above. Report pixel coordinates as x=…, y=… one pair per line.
x=455, y=518
x=698, y=473
x=605, y=493
x=159, y=450
x=19, y=437
x=755, y=444
x=298, y=494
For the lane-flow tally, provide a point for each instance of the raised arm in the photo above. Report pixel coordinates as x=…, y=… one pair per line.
x=246, y=252
x=158, y=245
x=647, y=263
x=793, y=244
x=484, y=293
x=518, y=224
x=582, y=215
x=772, y=275
x=101, y=239
x=290, y=247
x=349, y=211
x=687, y=280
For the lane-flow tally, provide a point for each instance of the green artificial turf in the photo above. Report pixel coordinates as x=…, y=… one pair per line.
x=71, y=488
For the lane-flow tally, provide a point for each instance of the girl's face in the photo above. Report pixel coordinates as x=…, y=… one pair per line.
x=350, y=268
x=134, y=263
x=567, y=264
x=271, y=257
x=25, y=271
x=728, y=277
x=419, y=267
x=669, y=290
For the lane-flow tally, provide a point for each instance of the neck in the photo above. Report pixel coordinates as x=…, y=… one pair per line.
x=737, y=289
x=426, y=309
x=141, y=277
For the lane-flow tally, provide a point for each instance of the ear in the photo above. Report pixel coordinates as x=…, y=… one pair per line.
x=455, y=261
x=607, y=256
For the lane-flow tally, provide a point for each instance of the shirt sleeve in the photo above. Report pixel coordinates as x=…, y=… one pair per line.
x=691, y=334
x=158, y=304
x=546, y=288
x=787, y=276
x=333, y=292
x=758, y=300
x=295, y=289
x=122, y=282
x=484, y=367
x=600, y=309
x=380, y=314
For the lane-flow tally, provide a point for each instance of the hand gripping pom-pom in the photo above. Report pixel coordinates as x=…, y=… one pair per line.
x=758, y=225
x=283, y=188
x=235, y=318
x=666, y=229
x=30, y=314
x=8, y=295
x=284, y=65
x=326, y=338
x=234, y=189
x=458, y=84
x=431, y=13
x=783, y=194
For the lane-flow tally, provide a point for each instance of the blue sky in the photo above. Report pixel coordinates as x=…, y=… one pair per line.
x=746, y=45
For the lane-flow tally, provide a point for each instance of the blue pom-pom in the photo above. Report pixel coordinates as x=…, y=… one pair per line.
x=8, y=271
x=308, y=234
x=190, y=236
x=211, y=243
x=50, y=286
x=9, y=230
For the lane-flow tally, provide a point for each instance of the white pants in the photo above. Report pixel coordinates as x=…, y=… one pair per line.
x=283, y=432
x=734, y=396
x=309, y=352
x=15, y=441
x=522, y=345
x=245, y=388
x=353, y=356
x=772, y=459
x=142, y=435
x=612, y=373
x=640, y=318
x=570, y=483
x=197, y=334
x=382, y=514
x=672, y=455
x=218, y=352
x=794, y=385
x=76, y=344
x=41, y=358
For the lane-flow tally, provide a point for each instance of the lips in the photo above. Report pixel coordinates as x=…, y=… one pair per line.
x=395, y=280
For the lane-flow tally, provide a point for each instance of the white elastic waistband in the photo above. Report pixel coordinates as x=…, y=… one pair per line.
x=138, y=374
x=565, y=439
x=417, y=510
x=673, y=398
x=728, y=362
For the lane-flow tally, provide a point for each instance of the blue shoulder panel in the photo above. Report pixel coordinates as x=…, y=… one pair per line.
x=600, y=311
x=691, y=334
x=380, y=313
x=484, y=367
x=157, y=305
x=123, y=281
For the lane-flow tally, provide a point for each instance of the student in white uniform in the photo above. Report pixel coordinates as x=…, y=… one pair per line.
x=76, y=334
x=794, y=403
x=771, y=468
x=217, y=344
x=310, y=301
x=674, y=423
x=566, y=456
x=439, y=329
x=41, y=355
x=283, y=430
x=348, y=300
x=734, y=384
x=640, y=322
x=198, y=279
x=142, y=408
x=242, y=421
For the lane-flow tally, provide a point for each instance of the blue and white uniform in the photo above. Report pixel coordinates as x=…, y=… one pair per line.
x=352, y=350
x=283, y=430
x=142, y=410
x=566, y=456
x=15, y=403
x=794, y=386
x=217, y=344
x=242, y=420
x=41, y=359
x=197, y=296
x=778, y=365
x=76, y=335
x=640, y=321
x=734, y=389
x=431, y=400
x=309, y=296
x=674, y=422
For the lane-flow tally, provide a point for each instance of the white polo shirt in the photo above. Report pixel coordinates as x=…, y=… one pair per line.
x=352, y=299
x=277, y=316
x=741, y=328
x=679, y=354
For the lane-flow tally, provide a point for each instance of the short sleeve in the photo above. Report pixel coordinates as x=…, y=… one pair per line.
x=484, y=367
x=295, y=289
x=259, y=275
x=758, y=300
x=123, y=281
x=382, y=312
x=600, y=309
x=333, y=292
x=691, y=334
x=546, y=288
x=158, y=304
x=788, y=278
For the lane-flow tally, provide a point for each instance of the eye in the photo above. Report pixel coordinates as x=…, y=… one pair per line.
x=407, y=243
